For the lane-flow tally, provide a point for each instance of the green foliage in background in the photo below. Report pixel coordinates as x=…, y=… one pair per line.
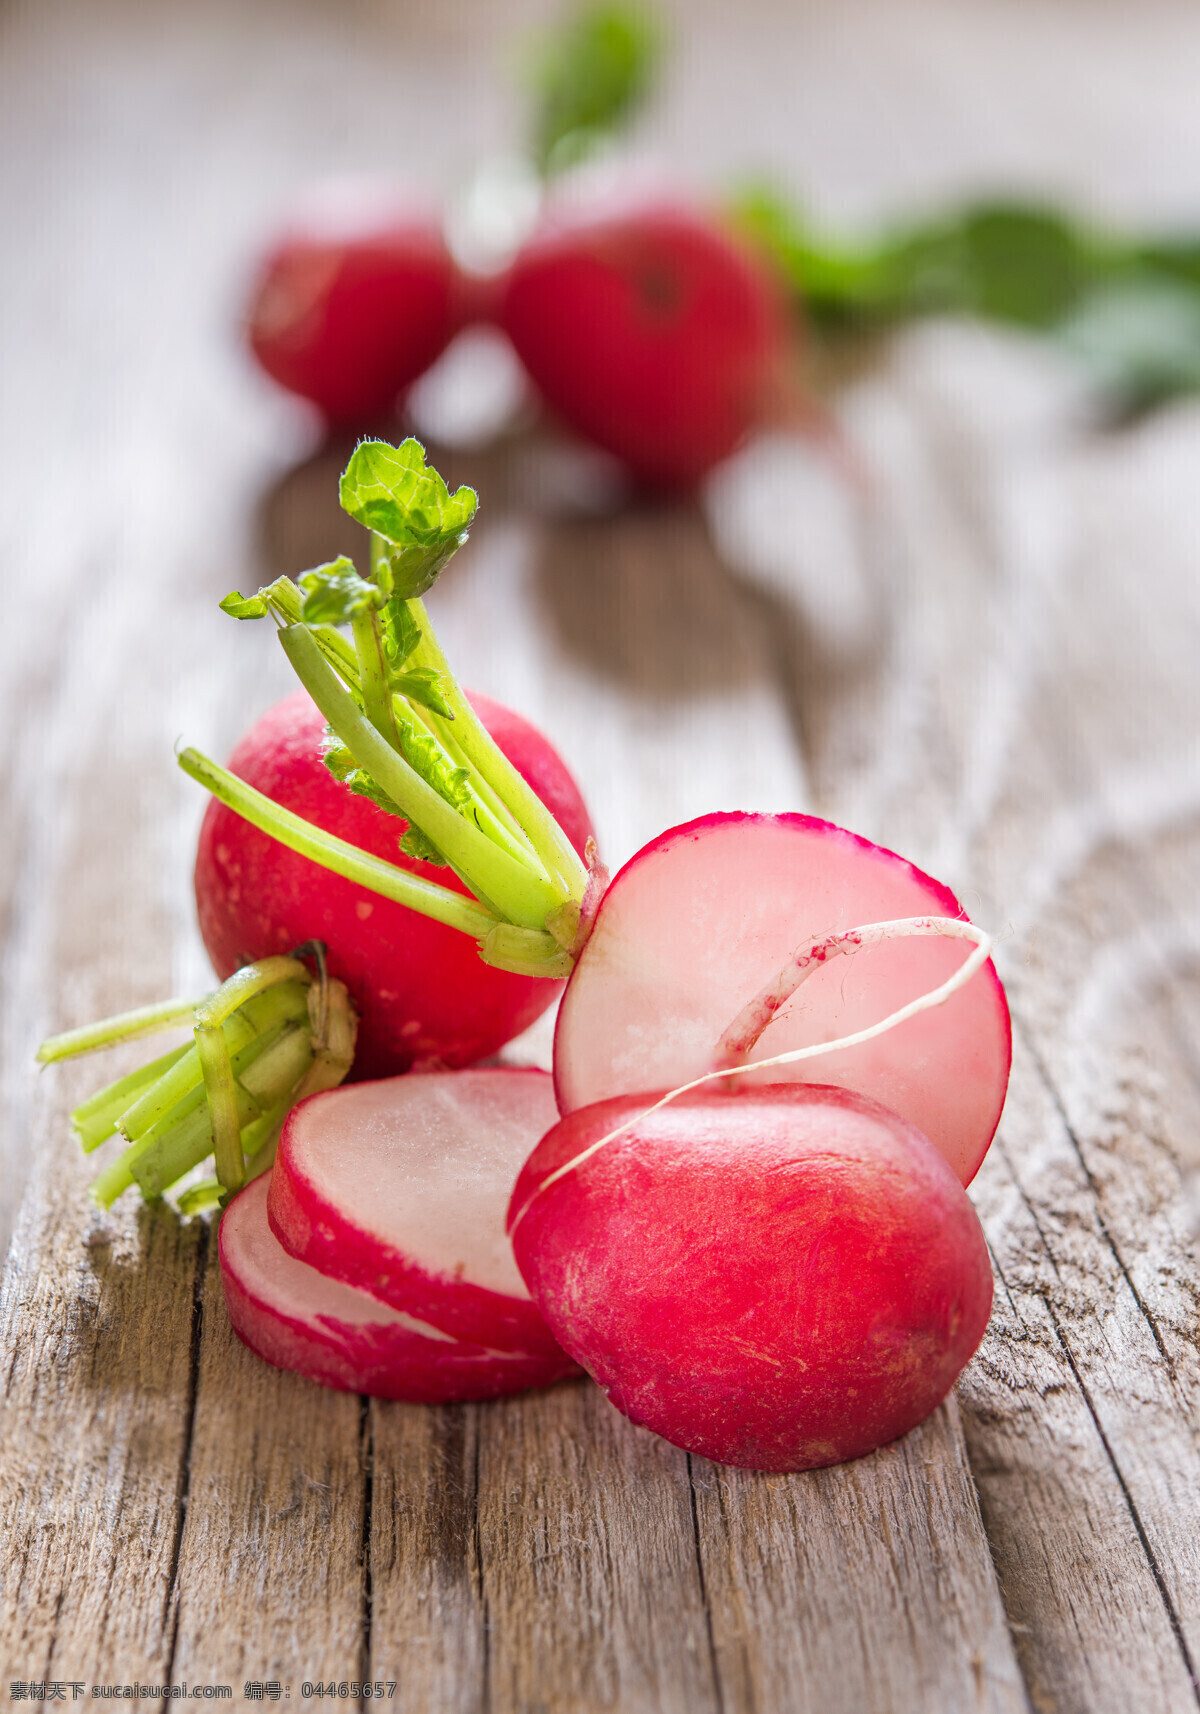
x=1129, y=310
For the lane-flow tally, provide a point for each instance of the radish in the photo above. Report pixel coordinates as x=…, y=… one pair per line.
x=691, y=966
x=295, y=1318
x=651, y=330
x=404, y=737
x=399, y=1188
x=355, y=300
x=779, y=1279
x=421, y=992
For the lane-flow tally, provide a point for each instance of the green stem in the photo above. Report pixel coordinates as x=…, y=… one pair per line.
x=95, y=1119
x=524, y=897
x=336, y=854
x=145, y=1021
x=372, y=676
x=554, y=850
x=493, y=815
x=246, y=984
x=221, y=1093
x=244, y=1014
x=265, y=1071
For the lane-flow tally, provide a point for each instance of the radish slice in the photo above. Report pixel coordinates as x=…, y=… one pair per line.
x=295, y=1318
x=702, y=920
x=400, y=1188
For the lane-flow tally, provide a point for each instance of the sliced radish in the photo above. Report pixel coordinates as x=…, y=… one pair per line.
x=778, y=1279
x=295, y=1318
x=400, y=1188
x=705, y=918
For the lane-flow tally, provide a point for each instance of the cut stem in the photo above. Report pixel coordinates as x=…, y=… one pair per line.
x=221, y=1094
x=336, y=854
x=125, y=1026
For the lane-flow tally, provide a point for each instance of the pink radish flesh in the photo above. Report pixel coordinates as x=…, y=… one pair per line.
x=400, y=1188
x=295, y=1318
x=705, y=916
x=779, y=1279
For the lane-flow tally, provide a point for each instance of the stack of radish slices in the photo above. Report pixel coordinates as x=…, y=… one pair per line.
x=740, y=1206
x=376, y=1259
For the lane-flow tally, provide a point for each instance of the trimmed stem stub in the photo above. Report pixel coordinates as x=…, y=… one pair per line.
x=268, y=1037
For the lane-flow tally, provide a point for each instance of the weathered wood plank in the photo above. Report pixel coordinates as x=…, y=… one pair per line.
x=272, y=1574
x=429, y=1621
x=588, y=1562
x=1067, y=1380
x=806, y=1574
x=97, y=1325
x=97, y=1310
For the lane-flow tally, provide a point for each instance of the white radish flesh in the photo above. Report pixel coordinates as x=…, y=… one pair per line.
x=295, y=1318
x=399, y=1188
x=704, y=920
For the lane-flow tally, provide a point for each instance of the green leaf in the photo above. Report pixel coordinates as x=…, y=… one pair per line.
x=414, y=844
x=1140, y=339
x=390, y=490
x=401, y=633
x=240, y=606
x=335, y=594
x=1003, y=261
x=835, y=282
x=425, y=756
x=424, y=686
x=592, y=75
x=345, y=769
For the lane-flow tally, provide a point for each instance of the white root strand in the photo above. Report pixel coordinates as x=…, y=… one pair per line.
x=805, y=961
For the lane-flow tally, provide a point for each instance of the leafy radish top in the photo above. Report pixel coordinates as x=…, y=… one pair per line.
x=403, y=733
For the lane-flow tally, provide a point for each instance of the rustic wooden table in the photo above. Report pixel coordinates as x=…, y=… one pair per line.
x=992, y=667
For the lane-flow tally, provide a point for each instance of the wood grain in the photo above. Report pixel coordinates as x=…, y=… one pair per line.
x=987, y=660
x=806, y=1573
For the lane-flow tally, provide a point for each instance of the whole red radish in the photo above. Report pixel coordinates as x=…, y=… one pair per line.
x=293, y=1317
x=400, y=1188
x=687, y=969
x=779, y=1279
x=651, y=330
x=354, y=301
x=420, y=988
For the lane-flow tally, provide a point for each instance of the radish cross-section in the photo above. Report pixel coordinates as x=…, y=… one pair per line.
x=685, y=972
x=295, y=1318
x=400, y=1187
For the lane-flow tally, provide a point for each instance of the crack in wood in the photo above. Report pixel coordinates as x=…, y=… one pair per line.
x=1134, y=1513
x=172, y=1605
x=1094, y=1191
x=706, y=1605
x=366, y=1450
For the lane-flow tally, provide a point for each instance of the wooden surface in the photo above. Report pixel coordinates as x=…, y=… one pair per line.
x=989, y=665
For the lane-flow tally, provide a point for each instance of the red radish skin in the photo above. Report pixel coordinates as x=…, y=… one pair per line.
x=653, y=332
x=399, y=1188
x=780, y=1279
x=348, y=314
x=700, y=920
x=295, y=1318
x=422, y=993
